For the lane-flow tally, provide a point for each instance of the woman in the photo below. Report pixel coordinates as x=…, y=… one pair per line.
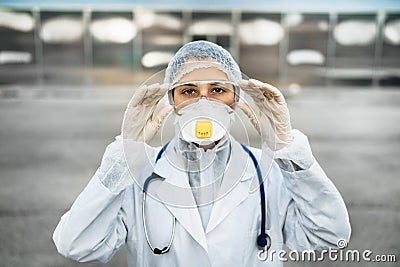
x=202, y=211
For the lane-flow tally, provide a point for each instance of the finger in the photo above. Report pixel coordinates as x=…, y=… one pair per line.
x=154, y=86
x=246, y=109
x=269, y=91
x=243, y=84
x=164, y=88
x=260, y=85
x=154, y=94
x=159, y=88
x=162, y=114
x=275, y=92
x=153, y=125
x=250, y=114
x=255, y=83
x=152, y=90
x=138, y=96
x=158, y=93
x=246, y=86
x=150, y=94
x=251, y=90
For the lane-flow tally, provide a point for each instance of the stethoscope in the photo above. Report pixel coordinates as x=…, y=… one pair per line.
x=263, y=240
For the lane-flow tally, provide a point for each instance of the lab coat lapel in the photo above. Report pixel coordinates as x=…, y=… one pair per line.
x=235, y=187
x=176, y=194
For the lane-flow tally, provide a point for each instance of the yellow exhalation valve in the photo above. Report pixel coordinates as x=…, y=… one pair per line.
x=203, y=129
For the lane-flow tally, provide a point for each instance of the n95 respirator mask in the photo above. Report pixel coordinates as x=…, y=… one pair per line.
x=204, y=121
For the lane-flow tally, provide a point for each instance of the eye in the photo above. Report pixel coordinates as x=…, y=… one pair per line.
x=188, y=91
x=218, y=90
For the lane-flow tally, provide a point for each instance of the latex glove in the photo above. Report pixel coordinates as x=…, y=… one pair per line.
x=140, y=124
x=272, y=121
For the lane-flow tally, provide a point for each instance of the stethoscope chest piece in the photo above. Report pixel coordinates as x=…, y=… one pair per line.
x=264, y=242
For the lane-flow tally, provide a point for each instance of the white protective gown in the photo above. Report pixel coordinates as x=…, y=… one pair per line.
x=304, y=211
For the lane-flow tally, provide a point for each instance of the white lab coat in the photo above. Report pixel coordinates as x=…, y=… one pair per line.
x=304, y=211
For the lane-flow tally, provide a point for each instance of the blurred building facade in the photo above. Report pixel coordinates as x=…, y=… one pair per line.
x=89, y=46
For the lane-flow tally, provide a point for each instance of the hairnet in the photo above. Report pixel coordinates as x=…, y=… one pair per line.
x=201, y=54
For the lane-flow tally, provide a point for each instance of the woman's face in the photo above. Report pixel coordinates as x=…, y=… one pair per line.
x=213, y=91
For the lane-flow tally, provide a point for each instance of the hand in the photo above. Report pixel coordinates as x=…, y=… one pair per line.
x=273, y=120
x=139, y=123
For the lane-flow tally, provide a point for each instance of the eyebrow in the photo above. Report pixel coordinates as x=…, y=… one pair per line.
x=221, y=83
x=187, y=84
x=195, y=84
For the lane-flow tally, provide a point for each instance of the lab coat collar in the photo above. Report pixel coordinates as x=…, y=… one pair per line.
x=177, y=196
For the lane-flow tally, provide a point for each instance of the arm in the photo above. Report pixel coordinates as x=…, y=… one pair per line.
x=94, y=228
x=316, y=216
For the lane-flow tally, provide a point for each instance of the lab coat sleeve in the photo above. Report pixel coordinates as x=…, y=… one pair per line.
x=316, y=217
x=95, y=228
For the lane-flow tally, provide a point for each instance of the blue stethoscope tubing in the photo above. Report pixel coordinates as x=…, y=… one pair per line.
x=263, y=240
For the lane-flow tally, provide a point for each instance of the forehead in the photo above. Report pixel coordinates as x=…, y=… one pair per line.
x=210, y=73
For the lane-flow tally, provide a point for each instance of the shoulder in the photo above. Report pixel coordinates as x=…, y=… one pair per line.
x=125, y=149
